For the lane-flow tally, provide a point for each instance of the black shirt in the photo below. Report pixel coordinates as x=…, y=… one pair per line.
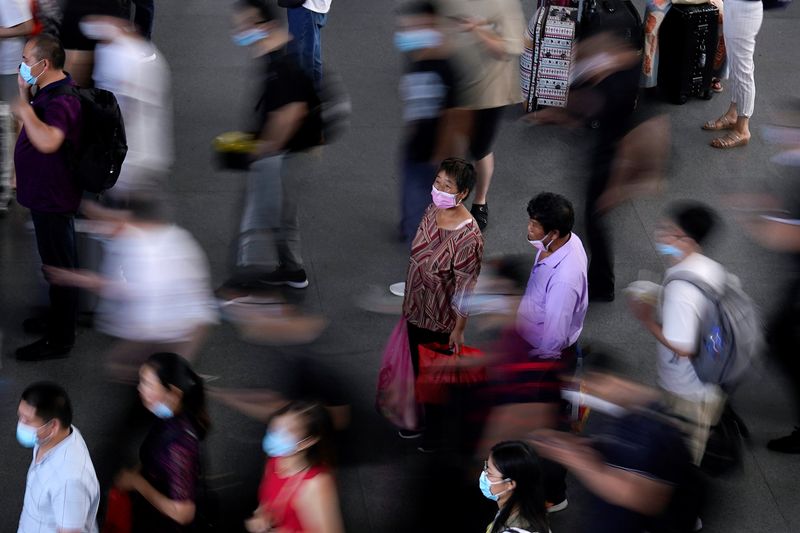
x=642, y=443
x=427, y=90
x=284, y=83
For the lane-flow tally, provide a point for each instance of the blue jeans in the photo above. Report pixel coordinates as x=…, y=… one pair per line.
x=418, y=179
x=270, y=217
x=306, y=26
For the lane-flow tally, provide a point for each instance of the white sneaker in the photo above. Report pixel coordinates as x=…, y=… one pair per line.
x=398, y=289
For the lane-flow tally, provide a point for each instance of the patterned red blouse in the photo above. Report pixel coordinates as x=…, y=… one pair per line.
x=442, y=272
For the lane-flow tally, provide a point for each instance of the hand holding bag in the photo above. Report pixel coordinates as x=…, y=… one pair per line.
x=119, y=516
x=440, y=369
x=394, y=398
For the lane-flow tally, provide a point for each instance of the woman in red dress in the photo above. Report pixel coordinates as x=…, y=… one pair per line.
x=298, y=492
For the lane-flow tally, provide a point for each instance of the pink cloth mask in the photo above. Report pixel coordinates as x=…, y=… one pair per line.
x=443, y=200
x=539, y=244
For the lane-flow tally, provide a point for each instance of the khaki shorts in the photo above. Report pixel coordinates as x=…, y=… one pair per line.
x=696, y=418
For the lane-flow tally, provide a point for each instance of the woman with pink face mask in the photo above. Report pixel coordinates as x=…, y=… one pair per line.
x=442, y=271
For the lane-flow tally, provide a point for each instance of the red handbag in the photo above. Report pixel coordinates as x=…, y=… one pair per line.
x=119, y=516
x=440, y=369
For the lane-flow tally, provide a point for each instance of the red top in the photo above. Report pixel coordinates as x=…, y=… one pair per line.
x=277, y=496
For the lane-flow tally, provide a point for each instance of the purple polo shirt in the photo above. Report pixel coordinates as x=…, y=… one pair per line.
x=44, y=181
x=550, y=315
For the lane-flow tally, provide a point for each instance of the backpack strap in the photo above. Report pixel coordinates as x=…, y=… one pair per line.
x=703, y=286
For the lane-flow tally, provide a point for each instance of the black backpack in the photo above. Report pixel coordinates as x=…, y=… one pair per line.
x=103, y=145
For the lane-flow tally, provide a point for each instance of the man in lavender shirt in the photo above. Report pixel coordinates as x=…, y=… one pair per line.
x=551, y=313
x=550, y=316
x=47, y=186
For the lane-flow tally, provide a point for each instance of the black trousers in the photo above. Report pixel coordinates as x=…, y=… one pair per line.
x=783, y=337
x=55, y=238
x=601, y=263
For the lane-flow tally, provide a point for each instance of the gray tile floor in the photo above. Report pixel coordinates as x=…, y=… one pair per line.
x=349, y=215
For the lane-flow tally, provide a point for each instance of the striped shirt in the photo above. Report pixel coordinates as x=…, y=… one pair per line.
x=62, y=492
x=442, y=272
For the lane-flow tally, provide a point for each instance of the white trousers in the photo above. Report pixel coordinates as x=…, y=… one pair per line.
x=742, y=22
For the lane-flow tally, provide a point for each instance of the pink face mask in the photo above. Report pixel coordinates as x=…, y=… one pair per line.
x=443, y=200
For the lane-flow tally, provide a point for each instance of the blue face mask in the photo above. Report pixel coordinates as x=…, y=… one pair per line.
x=668, y=250
x=25, y=72
x=279, y=444
x=248, y=37
x=410, y=40
x=486, y=486
x=28, y=436
x=162, y=411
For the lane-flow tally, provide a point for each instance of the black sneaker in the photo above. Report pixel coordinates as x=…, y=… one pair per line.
x=293, y=278
x=788, y=444
x=480, y=212
x=42, y=350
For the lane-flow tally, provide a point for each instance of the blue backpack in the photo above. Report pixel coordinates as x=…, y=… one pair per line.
x=731, y=333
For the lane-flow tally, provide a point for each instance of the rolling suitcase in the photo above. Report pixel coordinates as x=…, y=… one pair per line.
x=545, y=66
x=619, y=17
x=687, y=43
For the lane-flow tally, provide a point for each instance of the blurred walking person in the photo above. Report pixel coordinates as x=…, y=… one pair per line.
x=298, y=492
x=428, y=91
x=488, y=43
x=286, y=123
x=136, y=72
x=164, y=488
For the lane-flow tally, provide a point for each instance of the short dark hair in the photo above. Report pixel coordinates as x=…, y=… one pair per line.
x=48, y=47
x=50, y=401
x=266, y=11
x=695, y=219
x=416, y=7
x=460, y=170
x=553, y=212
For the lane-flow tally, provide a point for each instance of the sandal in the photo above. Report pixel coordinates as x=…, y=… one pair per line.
x=716, y=85
x=732, y=140
x=480, y=213
x=722, y=123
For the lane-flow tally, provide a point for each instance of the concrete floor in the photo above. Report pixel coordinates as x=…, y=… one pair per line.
x=348, y=219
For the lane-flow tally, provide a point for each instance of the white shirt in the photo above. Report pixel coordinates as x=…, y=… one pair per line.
x=161, y=286
x=62, y=491
x=12, y=13
x=319, y=6
x=138, y=75
x=683, y=305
